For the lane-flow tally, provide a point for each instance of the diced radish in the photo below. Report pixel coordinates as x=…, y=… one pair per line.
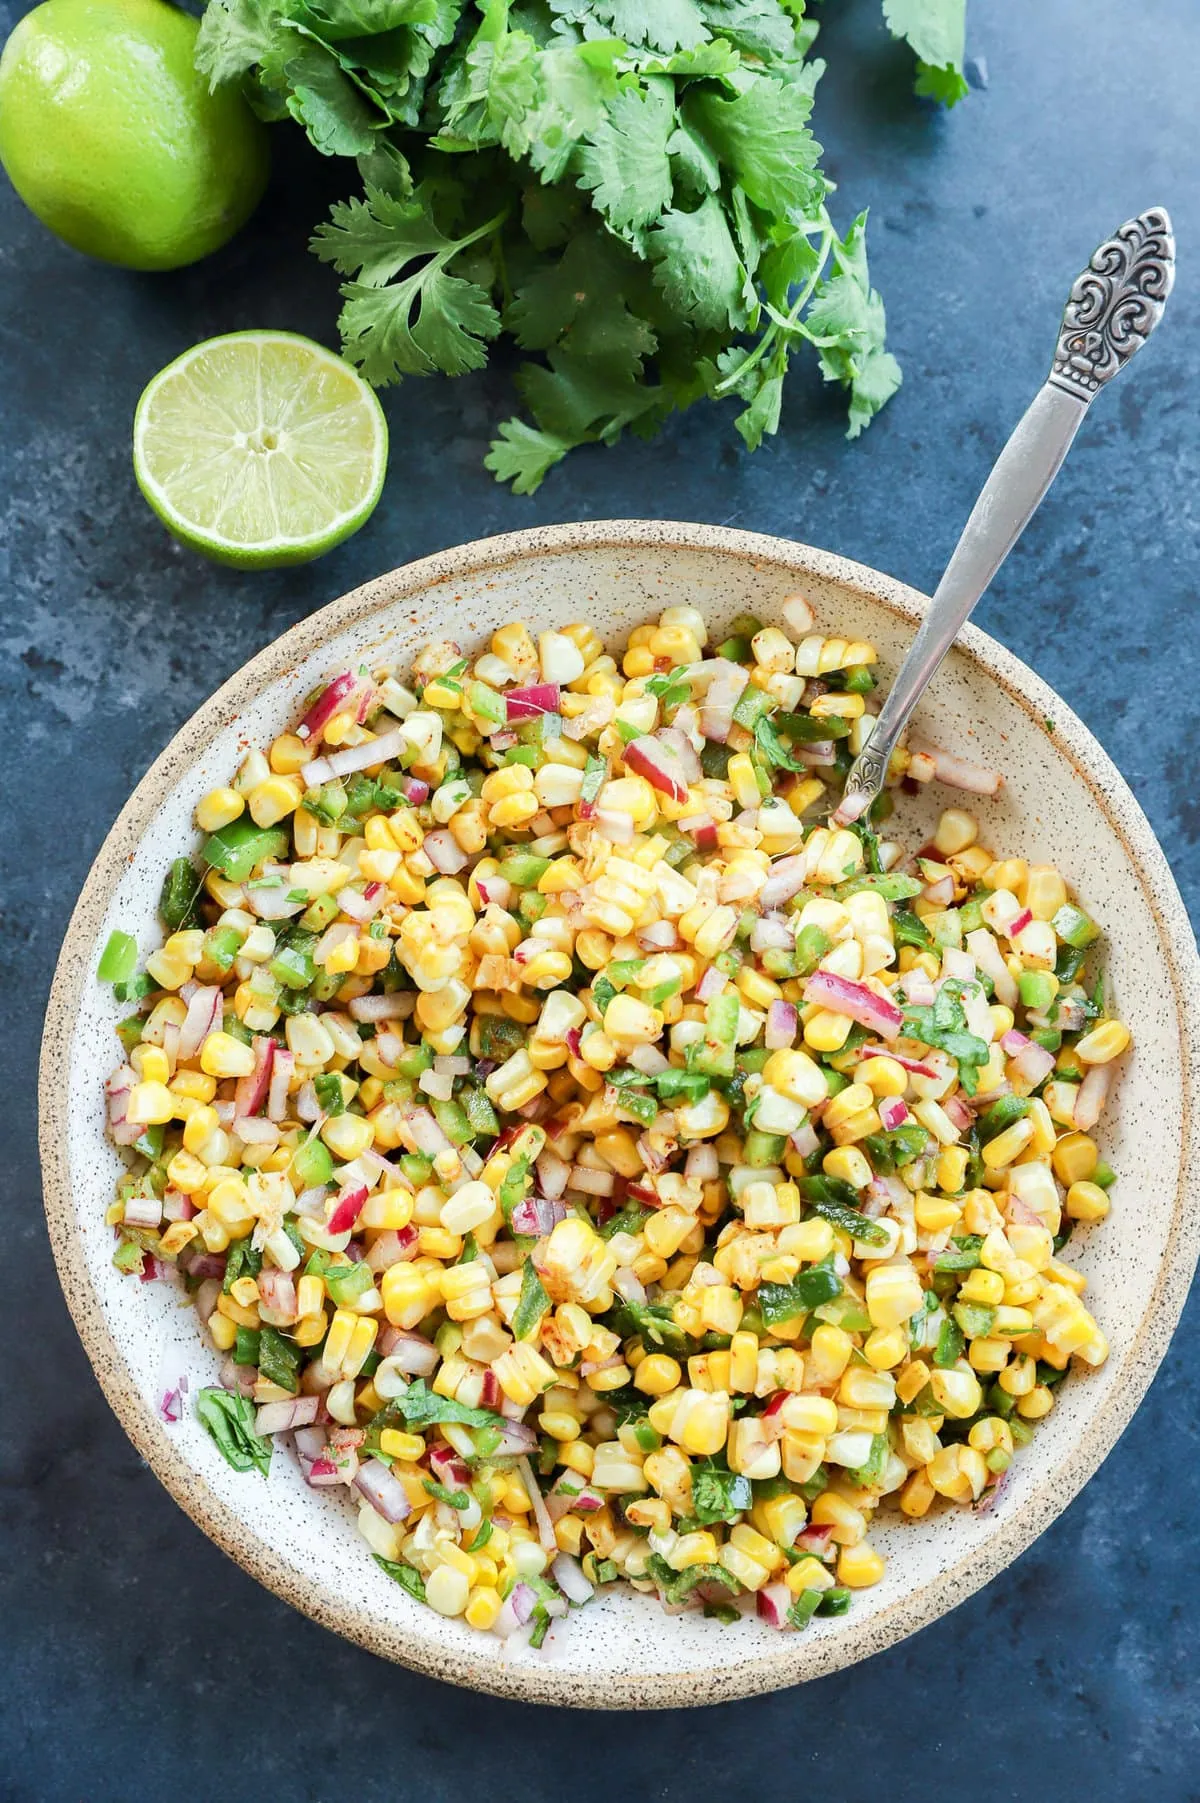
x=659, y=765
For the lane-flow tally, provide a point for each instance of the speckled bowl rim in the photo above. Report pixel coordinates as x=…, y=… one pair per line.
x=797, y=1658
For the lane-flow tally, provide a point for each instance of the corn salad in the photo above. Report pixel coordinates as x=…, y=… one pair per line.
x=602, y=1167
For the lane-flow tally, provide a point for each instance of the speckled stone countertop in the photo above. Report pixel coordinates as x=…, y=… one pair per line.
x=138, y=1662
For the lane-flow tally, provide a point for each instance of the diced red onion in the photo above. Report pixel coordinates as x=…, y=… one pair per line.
x=362, y=906
x=515, y=1439
x=701, y=828
x=283, y=1065
x=444, y=852
x=771, y=1604
x=553, y=1173
x=619, y=828
x=659, y=936
x=203, y=1017
x=957, y=773
x=393, y=1247
x=1093, y=1094
x=781, y=1026
x=990, y=960
x=702, y=1165
x=786, y=879
x=411, y=1352
x=628, y=1285
x=281, y=1417
x=416, y=790
x=818, y=754
x=651, y=1157
x=278, y=1290
x=239, y=1379
x=254, y=1130
x=658, y=764
x=271, y=903
x=958, y=964
x=436, y=1084
x=958, y=1114
x=384, y=1492
x=494, y=890
x=176, y=1206
x=772, y=932
x=941, y=892
x=448, y=1468
x=798, y=616
x=531, y=702
x=876, y=1012
x=490, y=1392
x=893, y=1112
x=815, y=1538
x=649, y=1060
x=327, y=703
x=382, y=750
x=143, y=1211
x=914, y=1065
x=804, y=1140
x=1018, y=923
x=311, y=1203
x=251, y=1091
x=1031, y=1061
x=536, y=1215
x=170, y=1407
x=684, y=750
x=568, y=1575
x=424, y=1132
x=379, y=1007
x=545, y=1526
x=711, y=984
x=118, y=1089
x=918, y=987
x=347, y=1209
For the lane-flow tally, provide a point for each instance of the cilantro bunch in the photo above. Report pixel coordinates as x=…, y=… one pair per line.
x=629, y=188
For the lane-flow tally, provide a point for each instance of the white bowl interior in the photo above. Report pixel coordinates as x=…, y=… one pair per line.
x=622, y=1648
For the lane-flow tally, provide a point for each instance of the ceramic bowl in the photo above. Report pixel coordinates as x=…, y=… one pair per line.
x=1063, y=801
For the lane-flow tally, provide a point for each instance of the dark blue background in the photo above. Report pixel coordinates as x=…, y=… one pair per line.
x=137, y=1661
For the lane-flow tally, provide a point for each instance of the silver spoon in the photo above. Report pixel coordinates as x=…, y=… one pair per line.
x=1114, y=306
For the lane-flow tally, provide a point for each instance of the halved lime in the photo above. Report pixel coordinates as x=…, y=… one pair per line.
x=260, y=448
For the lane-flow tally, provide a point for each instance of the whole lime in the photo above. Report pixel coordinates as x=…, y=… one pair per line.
x=111, y=137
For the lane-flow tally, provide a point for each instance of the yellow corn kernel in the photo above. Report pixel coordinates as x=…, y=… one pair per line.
x=1036, y=1404
x=1075, y=1158
x=1103, y=1043
x=1087, y=1202
x=916, y=1497
x=848, y=1163
x=848, y=1523
x=523, y=1373
x=859, y=1566
x=883, y=1077
x=274, y=799
x=745, y=783
x=222, y=1331
x=958, y=1472
x=983, y=1286
x=956, y=1392
x=1045, y=891
x=149, y=1104
x=407, y=1295
x=825, y=1031
x=1008, y=1146
x=194, y=1086
x=220, y=807
x=893, y=1294
x=151, y=1064
x=657, y=1373
x=952, y=1168
x=483, y=1606
x=222, y=1055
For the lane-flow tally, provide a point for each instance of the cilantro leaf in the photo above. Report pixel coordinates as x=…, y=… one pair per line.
x=719, y=1495
x=524, y=455
x=936, y=31
x=761, y=136
x=420, y=1407
x=405, y=1575
x=229, y=1418
x=626, y=165
x=944, y=1025
x=697, y=266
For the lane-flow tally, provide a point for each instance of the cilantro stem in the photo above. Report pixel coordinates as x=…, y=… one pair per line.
x=780, y=322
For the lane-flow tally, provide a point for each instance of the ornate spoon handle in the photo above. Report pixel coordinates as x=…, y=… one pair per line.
x=1114, y=306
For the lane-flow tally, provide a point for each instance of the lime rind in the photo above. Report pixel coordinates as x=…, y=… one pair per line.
x=260, y=449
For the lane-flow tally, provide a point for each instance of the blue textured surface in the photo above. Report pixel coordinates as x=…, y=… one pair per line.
x=138, y=1662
